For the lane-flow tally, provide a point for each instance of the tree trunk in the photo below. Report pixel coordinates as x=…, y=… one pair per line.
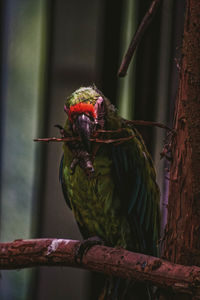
x=182, y=235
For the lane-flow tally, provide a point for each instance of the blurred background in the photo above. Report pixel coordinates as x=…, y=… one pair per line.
x=49, y=49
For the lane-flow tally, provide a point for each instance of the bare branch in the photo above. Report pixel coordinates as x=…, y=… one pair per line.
x=137, y=37
x=110, y=261
x=148, y=123
x=55, y=139
x=95, y=139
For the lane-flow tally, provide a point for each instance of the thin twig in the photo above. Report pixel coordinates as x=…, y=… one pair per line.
x=55, y=139
x=148, y=123
x=137, y=37
x=96, y=140
x=107, y=141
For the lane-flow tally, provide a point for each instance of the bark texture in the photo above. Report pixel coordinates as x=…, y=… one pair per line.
x=182, y=234
x=111, y=261
x=182, y=238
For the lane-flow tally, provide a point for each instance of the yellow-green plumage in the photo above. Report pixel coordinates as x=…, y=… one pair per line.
x=96, y=202
x=119, y=202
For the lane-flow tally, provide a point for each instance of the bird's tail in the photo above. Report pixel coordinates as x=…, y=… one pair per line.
x=119, y=289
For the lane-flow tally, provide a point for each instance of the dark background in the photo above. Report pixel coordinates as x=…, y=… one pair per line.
x=49, y=49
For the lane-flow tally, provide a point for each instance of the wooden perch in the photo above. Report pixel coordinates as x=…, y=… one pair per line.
x=111, y=261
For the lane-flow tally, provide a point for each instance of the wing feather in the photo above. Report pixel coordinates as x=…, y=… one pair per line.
x=135, y=181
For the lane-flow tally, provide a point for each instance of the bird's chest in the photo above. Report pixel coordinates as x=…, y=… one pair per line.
x=91, y=198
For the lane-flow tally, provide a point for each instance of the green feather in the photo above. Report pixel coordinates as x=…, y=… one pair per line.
x=140, y=198
x=135, y=191
x=148, y=212
x=144, y=204
x=122, y=190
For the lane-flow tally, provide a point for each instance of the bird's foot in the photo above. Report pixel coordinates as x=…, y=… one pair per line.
x=83, y=159
x=85, y=246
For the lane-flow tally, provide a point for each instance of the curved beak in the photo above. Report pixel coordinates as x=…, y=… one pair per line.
x=84, y=127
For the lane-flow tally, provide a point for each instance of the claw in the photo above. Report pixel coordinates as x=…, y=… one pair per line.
x=73, y=165
x=62, y=130
x=85, y=246
x=83, y=159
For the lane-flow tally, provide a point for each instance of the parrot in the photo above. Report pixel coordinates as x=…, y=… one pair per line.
x=108, y=180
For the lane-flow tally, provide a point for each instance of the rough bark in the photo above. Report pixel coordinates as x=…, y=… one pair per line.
x=182, y=236
x=111, y=261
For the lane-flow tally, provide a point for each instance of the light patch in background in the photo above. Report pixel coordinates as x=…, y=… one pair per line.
x=126, y=85
x=163, y=102
x=21, y=75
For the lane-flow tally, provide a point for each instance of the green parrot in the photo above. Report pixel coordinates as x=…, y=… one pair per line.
x=108, y=179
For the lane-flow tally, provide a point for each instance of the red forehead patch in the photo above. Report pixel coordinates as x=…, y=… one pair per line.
x=81, y=108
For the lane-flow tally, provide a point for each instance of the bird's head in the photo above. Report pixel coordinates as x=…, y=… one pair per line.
x=86, y=111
